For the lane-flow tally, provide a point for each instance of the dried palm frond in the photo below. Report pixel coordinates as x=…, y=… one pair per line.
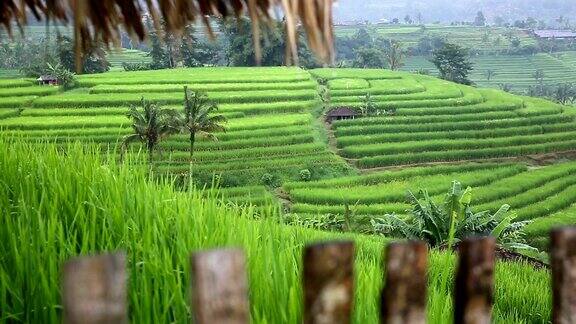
x=103, y=20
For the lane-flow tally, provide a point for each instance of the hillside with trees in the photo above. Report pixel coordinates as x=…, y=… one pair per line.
x=449, y=10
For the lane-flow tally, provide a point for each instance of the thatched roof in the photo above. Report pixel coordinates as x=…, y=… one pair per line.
x=102, y=20
x=47, y=78
x=342, y=112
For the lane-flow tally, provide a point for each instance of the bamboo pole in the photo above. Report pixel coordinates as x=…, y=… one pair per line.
x=563, y=262
x=405, y=292
x=220, y=287
x=94, y=290
x=474, y=291
x=328, y=283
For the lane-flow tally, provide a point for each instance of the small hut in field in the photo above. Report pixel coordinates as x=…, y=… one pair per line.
x=47, y=80
x=341, y=113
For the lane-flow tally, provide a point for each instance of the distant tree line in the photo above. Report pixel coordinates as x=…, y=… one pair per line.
x=564, y=93
x=170, y=51
x=233, y=47
x=35, y=58
x=504, y=40
x=366, y=49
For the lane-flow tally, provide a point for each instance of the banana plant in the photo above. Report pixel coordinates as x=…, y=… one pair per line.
x=448, y=224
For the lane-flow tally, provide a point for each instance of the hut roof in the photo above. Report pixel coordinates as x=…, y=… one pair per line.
x=103, y=20
x=342, y=112
x=551, y=33
x=47, y=78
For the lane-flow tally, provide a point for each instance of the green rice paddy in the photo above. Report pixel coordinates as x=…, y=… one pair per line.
x=514, y=70
x=483, y=39
x=425, y=134
x=132, y=56
x=276, y=128
x=42, y=225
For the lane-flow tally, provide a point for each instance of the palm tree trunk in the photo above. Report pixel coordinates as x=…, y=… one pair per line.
x=150, y=148
x=192, y=141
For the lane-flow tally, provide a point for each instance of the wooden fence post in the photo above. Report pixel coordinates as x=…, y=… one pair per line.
x=474, y=290
x=328, y=283
x=94, y=290
x=220, y=287
x=404, y=297
x=563, y=262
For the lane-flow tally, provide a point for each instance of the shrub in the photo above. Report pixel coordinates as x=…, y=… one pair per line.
x=66, y=78
x=423, y=71
x=268, y=179
x=136, y=66
x=305, y=175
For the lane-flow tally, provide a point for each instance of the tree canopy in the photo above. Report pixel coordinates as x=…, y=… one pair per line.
x=453, y=62
x=103, y=21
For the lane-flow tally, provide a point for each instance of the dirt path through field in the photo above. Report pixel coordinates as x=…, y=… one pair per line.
x=333, y=145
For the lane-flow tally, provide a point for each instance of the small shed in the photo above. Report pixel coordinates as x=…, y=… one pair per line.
x=555, y=34
x=340, y=114
x=47, y=80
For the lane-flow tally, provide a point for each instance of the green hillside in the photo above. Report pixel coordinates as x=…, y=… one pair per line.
x=514, y=70
x=272, y=129
x=438, y=121
x=448, y=11
x=279, y=162
x=545, y=195
x=428, y=132
x=117, y=58
x=483, y=39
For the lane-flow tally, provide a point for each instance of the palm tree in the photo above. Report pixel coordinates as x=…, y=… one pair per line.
x=199, y=118
x=489, y=74
x=151, y=124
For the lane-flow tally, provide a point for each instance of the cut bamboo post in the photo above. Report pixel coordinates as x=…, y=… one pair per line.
x=405, y=292
x=328, y=283
x=94, y=290
x=563, y=263
x=220, y=287
x=474, y=290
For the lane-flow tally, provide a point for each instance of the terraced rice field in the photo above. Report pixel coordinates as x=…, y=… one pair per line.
x=17, y=93
x=271, y=128
x=514, y=70
x=468, y=36
x=63, y=203
x=116, y=58
x=9, y=73
x=438, y=132
x=545, y=195
x=37, y=33
x=437, y=121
